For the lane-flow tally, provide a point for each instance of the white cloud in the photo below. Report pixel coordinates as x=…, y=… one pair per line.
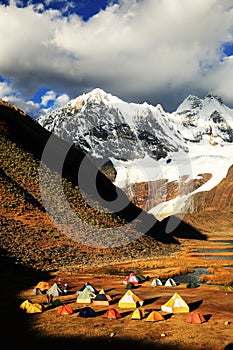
x=61, y=100
x=58, y=100
x=5, y=89
x=48, y=96
x=135, y=49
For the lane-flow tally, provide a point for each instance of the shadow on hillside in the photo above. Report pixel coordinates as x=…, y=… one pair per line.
x=176, y=227
x=81, y=171
x=16, y=328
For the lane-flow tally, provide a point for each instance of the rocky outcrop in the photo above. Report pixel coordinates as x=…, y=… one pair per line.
x=219, y=198
x=147, y=195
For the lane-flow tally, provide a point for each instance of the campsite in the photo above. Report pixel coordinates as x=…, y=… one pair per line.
x=172, y=331
x=34, y=253
x=144, y=321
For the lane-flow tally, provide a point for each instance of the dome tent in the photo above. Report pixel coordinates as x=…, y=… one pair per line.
x=156, y=282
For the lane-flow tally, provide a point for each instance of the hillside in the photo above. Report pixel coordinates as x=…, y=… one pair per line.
x=27, y=232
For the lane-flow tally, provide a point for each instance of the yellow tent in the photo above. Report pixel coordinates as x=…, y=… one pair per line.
x=175, y=304
x=136, y=315
x=34, y=309
x=130, y=300
x=154, y=316
x=43, y=286
x=25, y=305
x=31, y=308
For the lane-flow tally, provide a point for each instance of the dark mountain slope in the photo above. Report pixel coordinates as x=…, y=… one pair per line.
x=31, y=236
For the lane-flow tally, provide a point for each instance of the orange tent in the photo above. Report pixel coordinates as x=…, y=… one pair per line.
x=195, y=317
x=155, y=316
x=112, y=314
x=64, y=310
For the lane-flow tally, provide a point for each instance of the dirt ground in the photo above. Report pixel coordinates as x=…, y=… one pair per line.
x=48, y=330
x=212, y=302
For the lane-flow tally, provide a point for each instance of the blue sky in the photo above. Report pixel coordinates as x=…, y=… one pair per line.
x=139, y=50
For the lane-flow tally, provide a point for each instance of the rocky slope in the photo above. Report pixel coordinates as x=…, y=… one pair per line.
x=30, y=233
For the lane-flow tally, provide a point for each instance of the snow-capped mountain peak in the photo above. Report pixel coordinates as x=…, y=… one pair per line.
x=105, y=126
x=194, y=144
x=96, y=96
x=200, y=118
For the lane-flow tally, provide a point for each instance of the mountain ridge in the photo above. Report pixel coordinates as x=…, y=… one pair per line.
x=135, y=144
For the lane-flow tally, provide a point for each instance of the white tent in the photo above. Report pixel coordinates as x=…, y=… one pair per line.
x=156, y=282
x=55, y=290
x=170, y=283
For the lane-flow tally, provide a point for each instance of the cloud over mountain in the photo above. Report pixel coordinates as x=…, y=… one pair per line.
x=155, y=51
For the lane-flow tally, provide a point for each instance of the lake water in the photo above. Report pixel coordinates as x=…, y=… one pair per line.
x=194, y=276
x=191, y=276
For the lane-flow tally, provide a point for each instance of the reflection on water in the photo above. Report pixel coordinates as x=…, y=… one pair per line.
x=218, y=257
x=226, y=241
x=227, y=248
x=215, y=250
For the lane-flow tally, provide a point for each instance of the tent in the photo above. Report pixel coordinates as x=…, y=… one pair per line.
x=156, y=282
x=34, y=308
x=31, y=308
x=132, y=278
x=89, y=286
x=170, y=283
x=130, y=286
x=25, y=305
x=141, y=278
x=130, y=300
x=37, y=291
x=175, y=304
x=53, y=304
x=64, y=310
x=102, y=298
x=86, y=296
x=136, y=315
x=154, y=316
x=195, y=317
x=43, y=286
x=227, y=288
x=112, y=314
x=87, y=312
x=55, y=290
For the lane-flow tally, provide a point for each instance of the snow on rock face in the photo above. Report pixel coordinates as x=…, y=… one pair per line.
x=105, y=126
x=199, y=118
x=146, y=144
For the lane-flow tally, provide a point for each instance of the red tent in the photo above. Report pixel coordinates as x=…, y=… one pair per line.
x=195, y=317
x=132, y=278
x=112, y=314
x=64, y=310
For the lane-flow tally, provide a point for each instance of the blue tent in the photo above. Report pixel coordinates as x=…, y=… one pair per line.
x=87, y=312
